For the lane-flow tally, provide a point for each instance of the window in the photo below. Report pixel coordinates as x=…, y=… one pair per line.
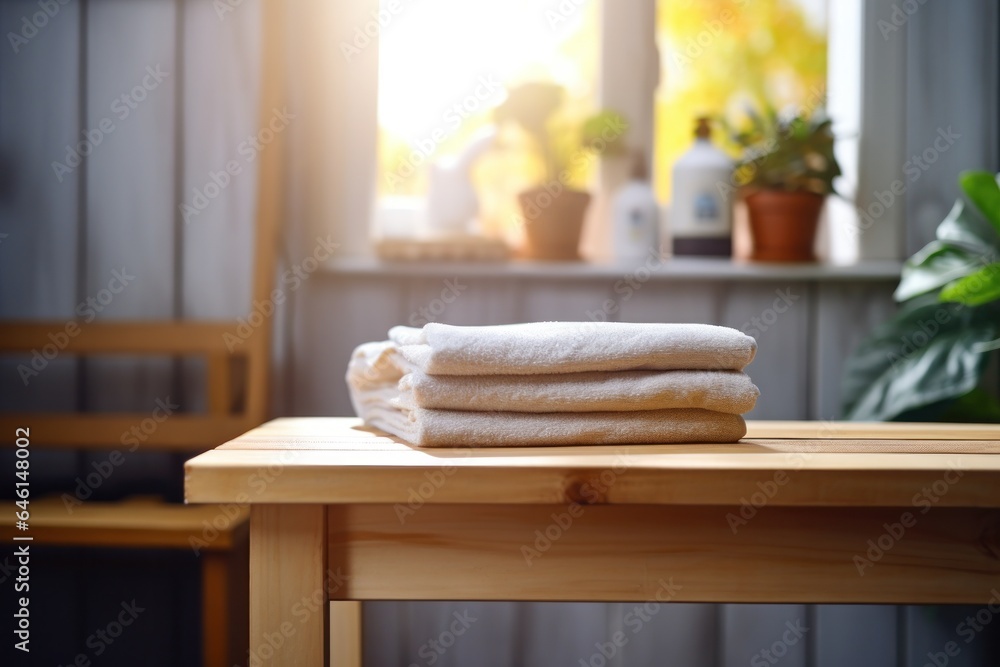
x=717, y=58
x=721, y=57
x=444, y=65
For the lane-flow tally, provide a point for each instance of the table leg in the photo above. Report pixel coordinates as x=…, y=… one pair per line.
x=345, y=634
x=288, y=597
x=215, y=608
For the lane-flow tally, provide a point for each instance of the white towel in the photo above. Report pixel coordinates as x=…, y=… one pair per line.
x=566, y=347
x=453, y=428
x=375, y=365
x=599, y=391
x=377, y=371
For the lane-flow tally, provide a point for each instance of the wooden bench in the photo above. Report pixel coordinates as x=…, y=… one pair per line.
x=149, y=523
x=236, y=386
x=351, y=514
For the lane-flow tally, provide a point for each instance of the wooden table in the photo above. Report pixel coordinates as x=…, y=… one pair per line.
x=796, y=512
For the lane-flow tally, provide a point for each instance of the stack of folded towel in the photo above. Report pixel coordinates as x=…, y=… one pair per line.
x=555, y=383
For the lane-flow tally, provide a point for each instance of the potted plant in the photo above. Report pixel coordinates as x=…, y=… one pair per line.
x=553, y=211
x=928, y=362
x=786, y=173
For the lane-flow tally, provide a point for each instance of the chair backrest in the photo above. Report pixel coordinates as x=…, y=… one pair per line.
x=229, y=367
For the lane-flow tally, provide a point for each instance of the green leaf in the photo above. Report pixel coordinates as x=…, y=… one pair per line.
x=927, y=362
x=982, y=190
x=967, y=229
x=791, y=154
x=933, y=267
x=605, y=128
x=975, y=289
x=965, y=242
x=978, y=406
x=927, y=353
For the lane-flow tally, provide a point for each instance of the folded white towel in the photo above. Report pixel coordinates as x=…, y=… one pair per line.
x=567, y=347
x=373, y=374
x=453, y=428
x=598, y=391
x=375, y=365
x=376, y=372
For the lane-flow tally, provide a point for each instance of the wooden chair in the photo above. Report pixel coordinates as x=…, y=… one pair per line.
x=237, y=391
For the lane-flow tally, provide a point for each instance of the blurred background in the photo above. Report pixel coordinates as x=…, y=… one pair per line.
x=409, y=153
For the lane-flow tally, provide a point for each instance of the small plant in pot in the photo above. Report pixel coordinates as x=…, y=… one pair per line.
x=553, y=211
x=931, y=360
x=786, y=173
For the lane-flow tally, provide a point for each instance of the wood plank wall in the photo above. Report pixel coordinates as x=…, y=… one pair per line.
x=119, y=210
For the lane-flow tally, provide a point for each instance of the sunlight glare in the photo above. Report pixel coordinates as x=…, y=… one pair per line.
x=435, y=52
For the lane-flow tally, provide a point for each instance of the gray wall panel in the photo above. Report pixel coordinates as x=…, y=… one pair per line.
x=676, y=635
x=37, y=212
x=857, y=635
x=958, y=92
x=759, y=635
x=844, y=316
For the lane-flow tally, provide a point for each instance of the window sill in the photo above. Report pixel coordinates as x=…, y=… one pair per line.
x=673, y=269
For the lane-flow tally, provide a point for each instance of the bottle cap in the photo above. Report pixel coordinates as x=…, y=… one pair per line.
x=640, y=170
x=703, y=127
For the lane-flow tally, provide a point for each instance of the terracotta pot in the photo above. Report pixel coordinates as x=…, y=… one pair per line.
x=553, y=223
x=784, y=225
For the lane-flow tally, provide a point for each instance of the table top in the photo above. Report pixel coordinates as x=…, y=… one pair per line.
x=338, y=460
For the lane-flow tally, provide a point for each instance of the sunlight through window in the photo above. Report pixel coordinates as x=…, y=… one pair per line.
x=444, y=67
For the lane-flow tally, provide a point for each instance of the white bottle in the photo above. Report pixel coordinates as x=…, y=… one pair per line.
x=636, y=217
x=701, y=215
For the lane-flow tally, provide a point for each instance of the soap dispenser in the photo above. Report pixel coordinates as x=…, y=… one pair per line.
x=701, y=215
x=636, y=216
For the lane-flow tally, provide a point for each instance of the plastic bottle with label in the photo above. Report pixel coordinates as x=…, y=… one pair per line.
x=701, y=214
x=636, y=216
